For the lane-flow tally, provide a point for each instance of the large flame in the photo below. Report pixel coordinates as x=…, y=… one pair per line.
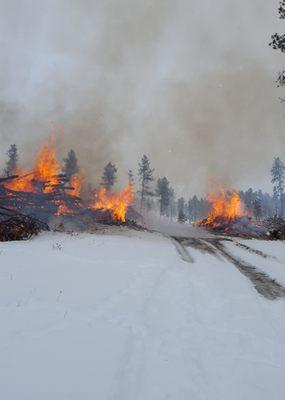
x=23, y=183
x=76, y=183
x=224, y=204
x=45, y=171
x=47, y=166
x=117, y=204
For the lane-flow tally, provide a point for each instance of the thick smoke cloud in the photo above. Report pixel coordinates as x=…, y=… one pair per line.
x=187, y=82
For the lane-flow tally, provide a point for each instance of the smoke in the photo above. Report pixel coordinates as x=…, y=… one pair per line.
x=188, y=83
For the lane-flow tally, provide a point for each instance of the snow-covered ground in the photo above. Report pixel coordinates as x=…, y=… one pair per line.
x=123, y=317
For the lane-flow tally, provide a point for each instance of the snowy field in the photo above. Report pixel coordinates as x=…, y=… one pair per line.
x=123, y=317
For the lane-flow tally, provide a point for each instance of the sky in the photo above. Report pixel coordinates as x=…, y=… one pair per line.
x=190, y=84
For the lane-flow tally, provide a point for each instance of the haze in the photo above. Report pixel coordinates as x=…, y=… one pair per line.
x=189, y=83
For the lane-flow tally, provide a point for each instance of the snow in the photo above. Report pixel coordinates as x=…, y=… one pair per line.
x=123, y=317
x=272, y=260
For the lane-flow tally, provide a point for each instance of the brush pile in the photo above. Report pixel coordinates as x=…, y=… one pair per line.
x=18, y=226
x=240, y=226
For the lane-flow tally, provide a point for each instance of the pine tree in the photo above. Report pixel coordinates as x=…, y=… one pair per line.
x=131, y=177
x=249, y=198
x=181, y=210
x=163, y=191
x=193, y=208
x=257, y=210
x=146, y=176
x=172, y=202
x=12, y=163
x=109, y=176
x=278, y=43
x=181, y=217
x=70, y=166
x=278, y=180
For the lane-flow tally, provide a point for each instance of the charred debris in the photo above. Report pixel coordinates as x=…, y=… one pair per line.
x=24, y=214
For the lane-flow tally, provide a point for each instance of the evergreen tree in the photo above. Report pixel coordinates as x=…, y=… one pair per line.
x=248, y=200
x=149, y=204
x=193, y=208
x=70, y=166
x=267, y=205
x=257, y=210
x=109, y=176
x=278, y=43
x=131, y=177
x=182, y=218
x=12, y=163
x=146, y=176
x=278, y=179
x=172, y=202
x=163, y=191
x=181, y=210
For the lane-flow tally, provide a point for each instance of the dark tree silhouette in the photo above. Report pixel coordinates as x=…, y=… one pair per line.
x=146, y=176
x=181, y=210
x=278, y=180
x=70, y=166
x=257, y=209
x=131, y=177
x=163, y=191
x=12, y=162
x=278, y=43
x=109, y=176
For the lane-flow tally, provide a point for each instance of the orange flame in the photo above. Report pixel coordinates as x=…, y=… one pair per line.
x=23, y=183
x=62, y=209
x=47, y=166
x=117, y=204
x=76, y=183
x=224, y=204
x=46, y=169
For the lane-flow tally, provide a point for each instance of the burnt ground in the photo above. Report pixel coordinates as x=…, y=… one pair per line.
x=263, y=283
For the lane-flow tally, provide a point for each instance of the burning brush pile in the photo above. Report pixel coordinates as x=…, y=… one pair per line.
x=33, y=198
x=228, y=216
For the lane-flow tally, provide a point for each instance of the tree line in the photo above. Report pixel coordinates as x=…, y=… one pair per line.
x=158, y=195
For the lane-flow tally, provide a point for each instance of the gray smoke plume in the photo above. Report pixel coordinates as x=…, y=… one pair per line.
x=190, y=83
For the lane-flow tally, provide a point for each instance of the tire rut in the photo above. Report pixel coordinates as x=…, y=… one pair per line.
x=182, y=250
x=263, y=283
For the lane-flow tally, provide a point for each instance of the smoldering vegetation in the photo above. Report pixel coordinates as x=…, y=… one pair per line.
x=188, y=83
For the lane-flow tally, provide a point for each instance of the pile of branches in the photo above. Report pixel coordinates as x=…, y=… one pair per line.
x=90, y=220
x=25, y=214
x=39, y=204
x=18, y=226
x=243, y=227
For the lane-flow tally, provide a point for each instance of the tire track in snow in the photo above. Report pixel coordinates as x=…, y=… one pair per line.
x=182, y=250
x=263, y=283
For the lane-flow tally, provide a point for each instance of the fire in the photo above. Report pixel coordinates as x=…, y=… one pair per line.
x=117, y=204
x=21, y=184
x=63, y=209
x=47, y=166
x=76, y=183
x=226, y=205
x=46, y=170
x=46, y=177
